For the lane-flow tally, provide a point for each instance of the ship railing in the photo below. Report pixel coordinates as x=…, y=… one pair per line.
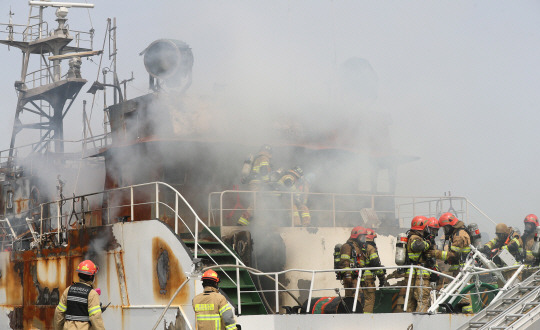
x=337, y=210
x=19, y=31
x=157, y=200
x=39, y=77
x=88, y=145
x=324, y=273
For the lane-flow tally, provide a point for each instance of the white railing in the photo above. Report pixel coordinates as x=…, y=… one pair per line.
x=159, y=200
x=331, y=209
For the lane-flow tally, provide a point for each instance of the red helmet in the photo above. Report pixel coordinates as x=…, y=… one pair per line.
x=87, y=267
x=419, y=222
x=532, y=219
x=370, y=233
x=211, y=276
x=357, y=231
x=447, y=219
x=433, y=223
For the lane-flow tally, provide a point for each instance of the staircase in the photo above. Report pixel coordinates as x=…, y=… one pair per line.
x=210, y=250
x=518, y=308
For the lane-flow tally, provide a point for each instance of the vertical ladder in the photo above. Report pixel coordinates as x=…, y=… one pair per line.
x=516, y=309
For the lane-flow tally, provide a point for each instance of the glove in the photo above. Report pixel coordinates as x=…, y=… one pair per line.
x=238, y=326
x=431, y=253
x=381, y=281
x=486, y=250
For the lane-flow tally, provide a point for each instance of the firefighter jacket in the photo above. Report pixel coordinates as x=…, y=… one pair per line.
x=79, y=309
x=528, y=242
x=351, y=257
x=371, y=260
x=459, y=247
x=513, y=244
x=417, y=247
x=212, y=311
x=260, y=171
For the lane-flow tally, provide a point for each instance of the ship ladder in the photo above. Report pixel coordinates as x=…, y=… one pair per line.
x=518, y=308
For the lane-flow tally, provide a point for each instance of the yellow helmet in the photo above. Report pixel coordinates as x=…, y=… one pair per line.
x=501, y=228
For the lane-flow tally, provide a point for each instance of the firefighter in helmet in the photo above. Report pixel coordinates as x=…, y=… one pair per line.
x=352, y=257
x=459, y=248
x=294, y=182
x=258, y=179
x=531, y=223
x=212, y=311
x=417, y=248
x=79, y=306
x=459, y=240
x=506, y=239
x=368, y=276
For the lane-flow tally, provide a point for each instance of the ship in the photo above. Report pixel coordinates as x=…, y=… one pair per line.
x=159, y=193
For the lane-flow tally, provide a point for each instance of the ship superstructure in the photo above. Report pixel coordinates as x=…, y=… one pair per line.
x=170, y=196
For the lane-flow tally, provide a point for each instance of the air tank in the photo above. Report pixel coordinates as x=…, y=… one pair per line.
x=476, y=237
x=401, y=249
x=536, y=245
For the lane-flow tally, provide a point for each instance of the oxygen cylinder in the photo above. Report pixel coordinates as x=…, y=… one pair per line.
x=536, y=245
x=337, y=259
x=401, y=249
x=476, y=237
x=246, y=168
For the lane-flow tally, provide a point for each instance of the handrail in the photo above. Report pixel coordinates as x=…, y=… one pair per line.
x=60, y=215
x=330, y=199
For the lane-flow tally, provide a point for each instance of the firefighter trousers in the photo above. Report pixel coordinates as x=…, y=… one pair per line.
x=419, y=296
x=368, y=283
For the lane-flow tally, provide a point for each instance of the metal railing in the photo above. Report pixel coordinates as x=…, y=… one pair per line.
x=160, y=200
x=331, y=209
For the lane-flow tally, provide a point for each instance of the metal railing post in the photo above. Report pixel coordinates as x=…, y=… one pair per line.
x=58, y=221
x=196, y=237
x=40, y=223
x=176, y=214
x=357, y=291
x=238, y=289
x=221, y=209
x=310, y=292
x=406, y=304
x=276, y=311
x=132, y=206
x=157, y=201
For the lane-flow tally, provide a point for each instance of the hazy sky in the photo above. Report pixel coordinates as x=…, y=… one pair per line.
x=459, y=79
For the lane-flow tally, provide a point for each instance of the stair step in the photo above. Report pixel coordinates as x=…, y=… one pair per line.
x=510, y=316
x=497, y=311
x=476, y=324
x=201, y=242
x=510, y=300
x=533, y=303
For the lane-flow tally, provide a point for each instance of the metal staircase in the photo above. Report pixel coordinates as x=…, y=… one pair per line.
x=213, y=251
x=518, y=308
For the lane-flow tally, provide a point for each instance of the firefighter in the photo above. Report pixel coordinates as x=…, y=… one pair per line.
x=352, y=257
x=293, y=181
x=368, y=276
x=417, y=247
x=459, y=241
x=79, y=306
x=506, y=239
x=530, y=222
x=258, y=179
x=212, y=311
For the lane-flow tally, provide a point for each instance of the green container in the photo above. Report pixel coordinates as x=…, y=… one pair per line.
x=386, y=300
x=480, y=297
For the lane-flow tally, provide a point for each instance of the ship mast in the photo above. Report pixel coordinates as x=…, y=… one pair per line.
x=45, y=91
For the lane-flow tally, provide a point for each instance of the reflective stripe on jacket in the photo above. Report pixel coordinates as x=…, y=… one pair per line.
x=212, y=311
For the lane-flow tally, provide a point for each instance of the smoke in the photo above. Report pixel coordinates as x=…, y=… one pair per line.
x=451, y=83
